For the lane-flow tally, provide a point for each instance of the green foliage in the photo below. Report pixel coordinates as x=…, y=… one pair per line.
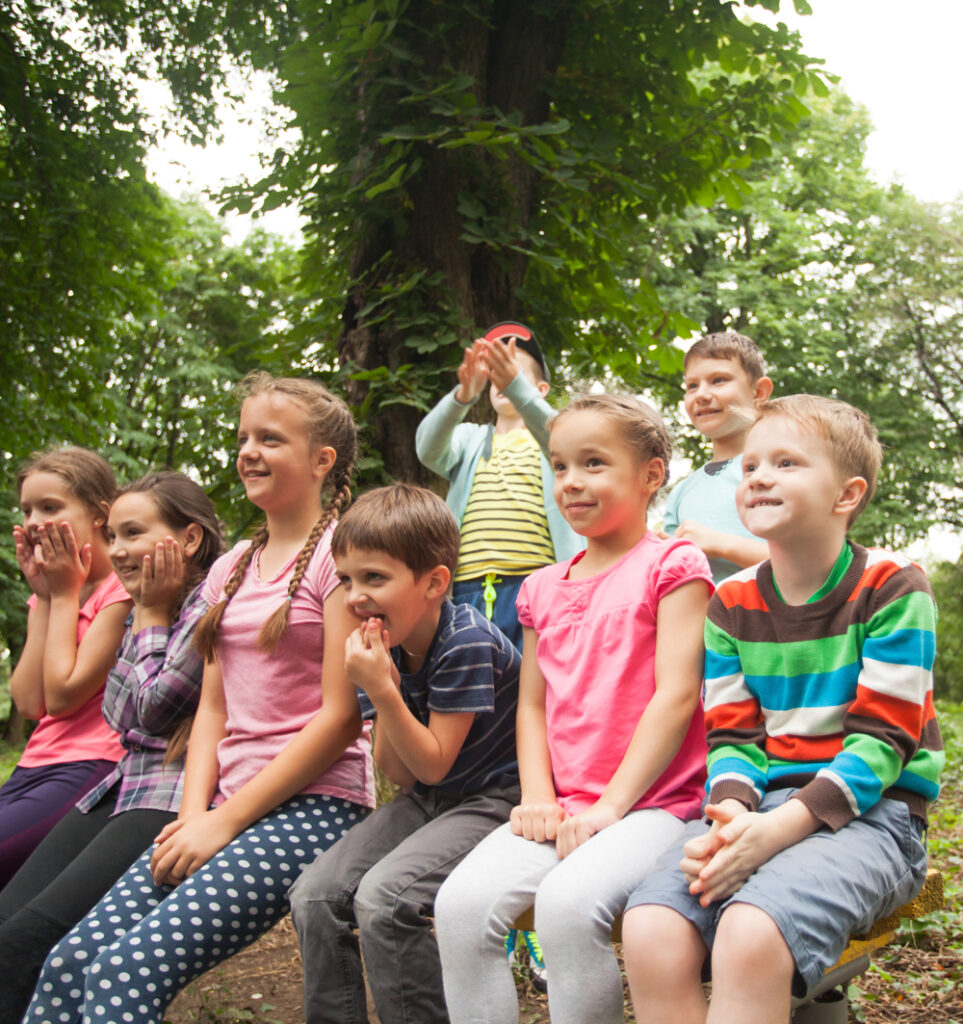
x=947, y=582
x=839, y=282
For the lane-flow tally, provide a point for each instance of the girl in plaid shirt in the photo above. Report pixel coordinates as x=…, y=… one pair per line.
x=163, y=536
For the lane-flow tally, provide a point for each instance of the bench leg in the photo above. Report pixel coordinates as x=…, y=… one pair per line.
x=831, y=1007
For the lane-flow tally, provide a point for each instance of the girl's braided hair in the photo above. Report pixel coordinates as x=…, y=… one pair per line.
x=329, y=423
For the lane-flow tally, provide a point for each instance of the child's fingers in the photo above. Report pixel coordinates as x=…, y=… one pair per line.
x=175, y=558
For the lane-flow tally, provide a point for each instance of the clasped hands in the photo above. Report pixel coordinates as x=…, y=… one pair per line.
x=545, y=821
x=485, y=361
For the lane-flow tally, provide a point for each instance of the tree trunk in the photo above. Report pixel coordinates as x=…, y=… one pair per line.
x=510, y=58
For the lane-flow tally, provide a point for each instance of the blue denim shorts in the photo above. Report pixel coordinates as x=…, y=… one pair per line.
x=819, y=891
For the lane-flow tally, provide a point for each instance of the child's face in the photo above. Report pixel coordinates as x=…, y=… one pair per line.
x=134, y=529
x=279, y=466
x=47, y=498
x=381, y=587
x=601, y=484
x=790, y=488
x=718, y=396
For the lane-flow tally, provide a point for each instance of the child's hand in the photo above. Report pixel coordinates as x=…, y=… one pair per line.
x=64, y=565
x=367, y=661
x=502, y=362
x=538, y=821
x=710, y=541
x=162, y=577
x=698, y=851
x=27, y=559
x=579, y=827
x=184, y=845
x=472, y=374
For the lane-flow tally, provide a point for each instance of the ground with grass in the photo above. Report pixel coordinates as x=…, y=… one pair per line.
x=918, y=980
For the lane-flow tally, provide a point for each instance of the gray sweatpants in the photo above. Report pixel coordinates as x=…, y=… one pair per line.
x=382, y=877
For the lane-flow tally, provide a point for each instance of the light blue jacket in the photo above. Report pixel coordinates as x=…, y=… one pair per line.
x=452, y=449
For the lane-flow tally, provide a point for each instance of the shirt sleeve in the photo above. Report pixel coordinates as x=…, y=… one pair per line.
x=441, y=438
x=735, y=729
x=884, y=725
x=166, y=670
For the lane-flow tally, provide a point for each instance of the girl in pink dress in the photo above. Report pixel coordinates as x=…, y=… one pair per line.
x=611, y=746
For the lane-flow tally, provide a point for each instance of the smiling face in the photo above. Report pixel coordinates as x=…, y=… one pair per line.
x=718, y=397
x=602, y=486
x=791, y=488
x=47, y=498
x=379, y=586
x=134, y=529
x=277, y=463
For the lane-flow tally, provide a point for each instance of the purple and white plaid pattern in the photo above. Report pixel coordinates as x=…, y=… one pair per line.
x=154, y=684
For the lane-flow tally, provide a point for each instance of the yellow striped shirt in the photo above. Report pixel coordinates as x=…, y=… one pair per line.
x=505, y=528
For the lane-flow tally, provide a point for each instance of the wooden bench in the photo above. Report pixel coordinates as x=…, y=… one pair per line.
x=828, y=1003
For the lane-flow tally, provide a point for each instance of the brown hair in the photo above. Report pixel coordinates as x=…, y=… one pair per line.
x=329, y=422
x=639, y=424
x=729, y=345
x=180, y=502
x=852, y=439
x=88, y=476
x=408, y=523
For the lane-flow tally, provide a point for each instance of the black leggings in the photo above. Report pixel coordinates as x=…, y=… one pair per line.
x=77, y=862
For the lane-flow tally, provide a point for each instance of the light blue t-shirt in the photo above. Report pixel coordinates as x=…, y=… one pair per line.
x=708, y=495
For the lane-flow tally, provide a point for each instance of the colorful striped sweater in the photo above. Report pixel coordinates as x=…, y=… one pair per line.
x=835, y=697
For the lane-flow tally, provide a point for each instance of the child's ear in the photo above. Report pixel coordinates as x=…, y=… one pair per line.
x=654, y=473
x=542, y=387
x=193, y=535
x=438, y=580
x=323, y=459
x=762, y=389
x=850, y=496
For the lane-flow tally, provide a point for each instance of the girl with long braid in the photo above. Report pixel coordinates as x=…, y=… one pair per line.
x=278, y=767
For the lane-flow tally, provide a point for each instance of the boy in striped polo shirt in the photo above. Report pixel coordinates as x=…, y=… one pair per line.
x=824, y=749
x=441, y=683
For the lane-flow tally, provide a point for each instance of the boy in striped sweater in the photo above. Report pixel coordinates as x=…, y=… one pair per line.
x=824, y=749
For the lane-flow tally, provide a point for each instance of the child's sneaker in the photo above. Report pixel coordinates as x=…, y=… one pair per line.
x=536, y=965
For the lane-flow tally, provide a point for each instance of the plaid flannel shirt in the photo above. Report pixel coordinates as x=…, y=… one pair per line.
x=154, y=685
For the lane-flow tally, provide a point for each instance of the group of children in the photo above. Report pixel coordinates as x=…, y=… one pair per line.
x=553, y=730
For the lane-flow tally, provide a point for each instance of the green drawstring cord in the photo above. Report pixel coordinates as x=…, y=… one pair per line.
x=488, y=593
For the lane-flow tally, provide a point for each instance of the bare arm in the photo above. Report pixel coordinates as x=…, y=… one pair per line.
x=539, y=814
x=679, y=658
x=426, y=751
x=26, y=680
x=189, y=843
x=742, y=551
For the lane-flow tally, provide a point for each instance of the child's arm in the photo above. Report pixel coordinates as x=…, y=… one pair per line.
x=505, y=371
x=742, y=551
x=441, y=438
x=679, y=657
x=188, y=843
x=539, y=814
x=26, y=680
x=73, y=673
x=427, y=752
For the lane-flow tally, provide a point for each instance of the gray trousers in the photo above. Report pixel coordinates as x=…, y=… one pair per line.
x=381, y=877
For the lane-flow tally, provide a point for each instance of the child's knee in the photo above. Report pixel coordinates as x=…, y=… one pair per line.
x=659, y=943
x=748, y=941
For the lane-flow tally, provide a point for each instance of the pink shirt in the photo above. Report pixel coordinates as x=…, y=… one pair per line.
x=271, y=697
x=83, y=735
x=596, y=650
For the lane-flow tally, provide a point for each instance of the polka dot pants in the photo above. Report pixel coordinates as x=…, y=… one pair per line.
x=128, y=958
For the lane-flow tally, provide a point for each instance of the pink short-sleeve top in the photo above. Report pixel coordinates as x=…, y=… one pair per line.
x=271, y=697
x=596, y=650
x=83, y=735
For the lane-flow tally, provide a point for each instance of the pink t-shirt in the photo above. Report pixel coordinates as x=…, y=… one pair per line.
x=271, y=697
x=596, y=650
x=83, y=735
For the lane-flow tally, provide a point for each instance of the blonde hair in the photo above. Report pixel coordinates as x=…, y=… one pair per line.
x=852, y=439
x=729, y=345
x=639, y=424
x=89, y=477
x=329, y=422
